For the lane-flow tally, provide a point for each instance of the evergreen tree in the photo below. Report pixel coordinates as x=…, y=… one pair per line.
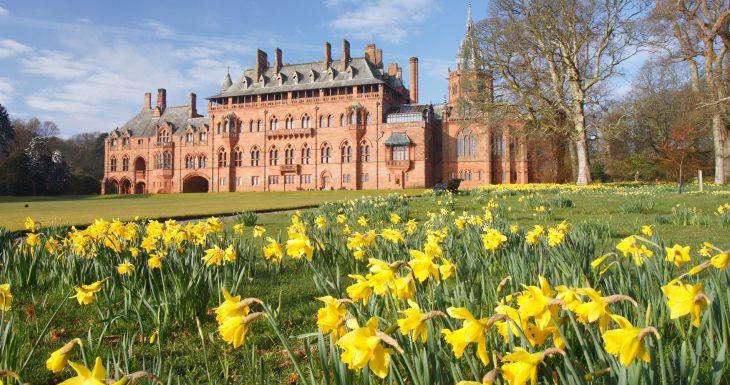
x=7, y=133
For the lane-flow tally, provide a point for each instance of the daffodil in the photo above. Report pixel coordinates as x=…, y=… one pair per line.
x=330, y=317
x=414, y=321
x=533, y=236
x=320, y=222
x=238, y=228
x=392, y=235
x=6, y=298
x=395, y=218
x=361, y=290
x=86, y=294
x=521, y=367
x=258, y=231
x=677, y=254
x=362, y=221
x=30, y=224
x=233, y=330
x=214, y=256
x=629, y=247
x=423, y=266
x=231, y=307
x=125, y=268
x=684, y=299
x=84, y=376
x=720, y=261
x=363, y=346
x=59, y=358
x=626, y=342
x=273, y=251
x=647, y=230
x=473, y=330
x=493, y=239
x=536, y=302
x=155, y=262
x=33, y=240
x=299, y=246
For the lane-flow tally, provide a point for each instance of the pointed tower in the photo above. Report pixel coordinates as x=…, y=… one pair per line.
x=470, y=64
x=227, y=82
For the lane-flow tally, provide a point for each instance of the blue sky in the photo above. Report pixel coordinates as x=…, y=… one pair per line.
x=86, y=64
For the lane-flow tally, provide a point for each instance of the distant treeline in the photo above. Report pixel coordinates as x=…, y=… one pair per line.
x=35, y=161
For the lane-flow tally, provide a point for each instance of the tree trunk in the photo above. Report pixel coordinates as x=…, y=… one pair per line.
x=719, y=134
x=581, y=141
x=573, y=158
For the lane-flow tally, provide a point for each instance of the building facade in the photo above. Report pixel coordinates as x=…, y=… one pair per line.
x=345, y=123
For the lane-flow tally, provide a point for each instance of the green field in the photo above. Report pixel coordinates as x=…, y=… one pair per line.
x=82, y=210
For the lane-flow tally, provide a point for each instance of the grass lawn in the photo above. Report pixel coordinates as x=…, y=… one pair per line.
x=82, y=210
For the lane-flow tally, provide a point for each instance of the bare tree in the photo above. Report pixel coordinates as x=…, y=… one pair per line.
x=553, y=58
x=700, y=34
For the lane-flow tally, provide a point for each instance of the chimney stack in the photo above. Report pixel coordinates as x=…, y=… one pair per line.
x=193, y=105
x=147, y=101
x=262, y=61
x=414, y=80
x=327, y=55
x=345, y=53
x=370, y=53
x=277, y=60
x=161, y=99
x=392, y=69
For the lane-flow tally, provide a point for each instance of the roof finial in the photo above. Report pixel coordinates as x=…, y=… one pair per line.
x=229, y=69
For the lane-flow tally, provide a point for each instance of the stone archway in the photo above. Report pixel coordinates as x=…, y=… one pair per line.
x=125, y=186
x=326, y=180
x=139, y=188
x=195, y=184
x=113, y=187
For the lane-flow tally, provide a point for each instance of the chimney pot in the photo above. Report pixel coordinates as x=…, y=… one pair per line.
x=161, y=99
x=262, y=61
x=327, y=55
x=345, y=53
x=277, y=60
x=147, y=101
x=193, y=105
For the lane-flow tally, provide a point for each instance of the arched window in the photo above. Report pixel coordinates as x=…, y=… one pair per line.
x=202, y=161
x=289, y=122
x=167, y=160
x=219, y=128
x=113, y=163
x=289, y=155
x=238, y=157
x=258, y=126
x=125, y=141
x=321, y=121
x=346, y=153
x=273, y=156
x=368, y=118
x=325, y=153
x=203, y=137
x=113, y=142
x=274, y=125
x=125, y=163
x=305, y=121
x=189, y=137
x=306, y=154
x=255, y=157
x=466, y=144
x=222, y=158
x=329, y=121
x=250, y=126
x=189, y=163
x=342, y=120
x=353, y=118
x=163, y=136
x=364, y=152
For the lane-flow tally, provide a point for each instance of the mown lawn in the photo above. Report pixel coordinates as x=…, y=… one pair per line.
x=82, y=210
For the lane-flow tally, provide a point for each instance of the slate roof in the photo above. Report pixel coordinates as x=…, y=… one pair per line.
x=296, y=77
x=398, y=139
x=145, y=125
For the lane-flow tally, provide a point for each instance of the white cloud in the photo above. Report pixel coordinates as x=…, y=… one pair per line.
x=57, y=65
x=158, y=27
x=391, y=20
x=10, y=48
x=6, y=89
x=4, y=12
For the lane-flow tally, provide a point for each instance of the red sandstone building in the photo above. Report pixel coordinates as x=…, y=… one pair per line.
x=345, y=123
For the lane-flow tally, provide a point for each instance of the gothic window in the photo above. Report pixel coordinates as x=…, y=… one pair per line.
x=238, y=157
x=222, y=158
x=321, y=121
x=189, y=163
x=167, y=160
x=258, y=126
x=289, y=155
x=325, y=153
x=342, y=120
x=364, y=152
x=346, y=153
x=250, y=126
x=352, y=118
x=329, y=121
x=466, y=144
x=497, y=145
x=305, y=121
x=113, y=142
x=189, y=137
x=368, y=118
x=274, y=125
x=202, y=161
x=273, y=156
x=163, y=136
x=255, y=157
x=125, y=163
x=289, y=122
x=203, y=137
x=306, y=154
x=125, y=141
x=113, y=163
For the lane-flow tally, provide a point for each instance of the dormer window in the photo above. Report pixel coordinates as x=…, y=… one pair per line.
x=189, y=137
x=114, y=142
x=203, y=137
x=125, y=141
x=163, y=136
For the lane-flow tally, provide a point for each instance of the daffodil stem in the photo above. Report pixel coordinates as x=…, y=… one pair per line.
x=45, y=329
x=284, y=342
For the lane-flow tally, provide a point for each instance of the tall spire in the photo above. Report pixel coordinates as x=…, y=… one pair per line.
x=469, y=21
x=469, y=56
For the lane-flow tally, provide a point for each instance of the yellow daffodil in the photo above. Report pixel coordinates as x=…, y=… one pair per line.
x=299, y=246
x=626, y=342
x=233, y=330
x=414, y=321
x=677, y=254
x=514, y=229
x=595, y=310
x=472, y=331
x=395, y=218
x=30, y=224
x=362, y=221
x=629, y=247
x=238, y=228
x=423, y=266
x=59, y=358
x=86, y=294
x=341, y=218
x=95, y=376
x=535, y=302
x=392, y=235
x=720, y=261
x=214, y=256
x=363, y=346
x=33, y=240
x=6, y=298
x=647, y=230
x=555, y=236
x=258, y=231
x=522, y=367
x=125, y=268
x=231, y=307
x=273, y=251
x=533, y=236
x=493, y=239
x=320, y=222
x=155, y=262
x=684, y=299
x=361, y=290
x=330, y=317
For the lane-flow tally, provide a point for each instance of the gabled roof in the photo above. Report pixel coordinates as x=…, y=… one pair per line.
x=398, y=139
x=144, y=124
x=358, y=72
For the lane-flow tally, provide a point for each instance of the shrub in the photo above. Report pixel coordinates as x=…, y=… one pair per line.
x=248, y=218
x=638, y=207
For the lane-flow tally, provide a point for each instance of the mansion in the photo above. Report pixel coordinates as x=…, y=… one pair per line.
x=337, y=123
